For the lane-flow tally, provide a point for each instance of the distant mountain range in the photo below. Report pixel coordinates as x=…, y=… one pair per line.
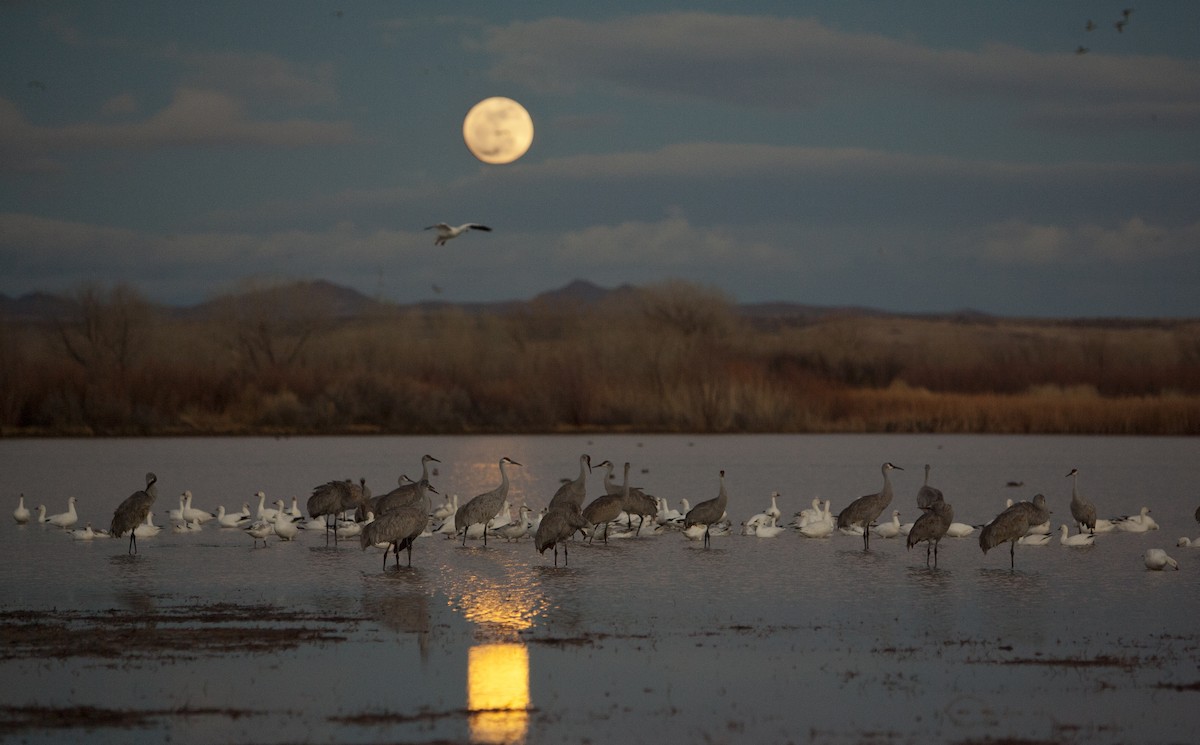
x=346, y=302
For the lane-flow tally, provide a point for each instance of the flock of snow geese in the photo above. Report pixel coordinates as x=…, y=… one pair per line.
x=344, y=510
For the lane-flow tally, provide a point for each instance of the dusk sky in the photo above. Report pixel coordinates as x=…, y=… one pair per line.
x=908, y=156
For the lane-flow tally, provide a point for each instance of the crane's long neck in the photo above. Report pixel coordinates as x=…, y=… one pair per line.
x=887, y=484
x=625, y=483
x=722, y=497
x=504, y=480
x=1075, y=486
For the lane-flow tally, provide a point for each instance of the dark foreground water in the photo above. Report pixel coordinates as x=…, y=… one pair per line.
x=202, y=638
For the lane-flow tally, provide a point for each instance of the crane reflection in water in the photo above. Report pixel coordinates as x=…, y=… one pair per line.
x=498, y=700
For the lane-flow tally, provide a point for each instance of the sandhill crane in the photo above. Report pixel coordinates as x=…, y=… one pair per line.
x=1082, y=510
x=21, y=513
x=400, y=528
x=556, y=526
x=405, y=493
x=1012, y=525
x=607, y=508
x=709, y=511
x=447, y=232
x=575, y=491
x=1157, y=559
x=484, y=507
x=866, y=509
x=931, y=527
x=131, y=512
x=635, y=502
x=927, y=494
x=335, y=497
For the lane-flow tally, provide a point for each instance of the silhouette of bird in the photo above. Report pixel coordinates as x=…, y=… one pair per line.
x=1012, y=524
x=446, y=232
x=1090, y=25
x=400, y=528
x=482, y=508
x=709, y=511
x=927, y=494
x=335, y=497
x=1081, y=50
x=574, y=491
x=1075, y=541
x=866, y=509
x=1120, y=25
x=931, y=527
x=406, y=492
x=1082, y=510
x=131, y=512
x=556, y=526
x=606, y=508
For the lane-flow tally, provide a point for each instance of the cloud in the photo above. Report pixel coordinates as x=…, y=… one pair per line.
x=788, y=63
x=1129, y=242
x=259, y=77
x=194, y=117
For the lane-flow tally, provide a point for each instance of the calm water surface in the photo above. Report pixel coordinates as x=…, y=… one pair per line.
x=651, y=639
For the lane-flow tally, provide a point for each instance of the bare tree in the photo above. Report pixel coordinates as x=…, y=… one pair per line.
x=108, y=329
x=269, y=326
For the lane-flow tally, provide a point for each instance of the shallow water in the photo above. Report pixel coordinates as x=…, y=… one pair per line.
x=650, y=639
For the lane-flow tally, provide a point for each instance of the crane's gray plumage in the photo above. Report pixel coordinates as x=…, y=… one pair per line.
x=400, y=528
x=131, y=512
x=1012, y=524
x=606, y=508
x=407, y=493
x=867, y=509
x=447, y=232
x=931, y=527
x=927, y=494
x=574, y=492
x=335, y=497
x=482, y=508
x=634, y=502
x=557, y=525
x=709, y=511
x=1082, y=510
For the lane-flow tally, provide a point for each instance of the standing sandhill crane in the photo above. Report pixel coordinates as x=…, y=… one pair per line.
x=927, y=494
x=1012, y=525
x=607, y=508
x=556, y=526
x=131, y=512
x=1082, y=510
x=636, y=502
x=866, y=509
x=709, y=511
x=483, y=508
x=447, y=232
x=335, y=497
x=404, y=497
x=574, y=492
x=931, y=527
x=406, y=492
x=400, y=528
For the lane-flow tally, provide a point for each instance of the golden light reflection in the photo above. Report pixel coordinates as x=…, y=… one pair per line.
x=498, y=693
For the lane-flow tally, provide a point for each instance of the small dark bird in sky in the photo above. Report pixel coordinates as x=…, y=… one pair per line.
x=1089, y=26
x=1125, y=13
x=1081, y=50
x=1120, y=25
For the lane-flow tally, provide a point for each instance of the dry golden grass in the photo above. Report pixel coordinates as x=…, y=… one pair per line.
x=671, y=358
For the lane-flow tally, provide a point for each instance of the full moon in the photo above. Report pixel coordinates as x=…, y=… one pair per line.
x=498, y=130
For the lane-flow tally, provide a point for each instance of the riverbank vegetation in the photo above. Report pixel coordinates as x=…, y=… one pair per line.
x=672, y=357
